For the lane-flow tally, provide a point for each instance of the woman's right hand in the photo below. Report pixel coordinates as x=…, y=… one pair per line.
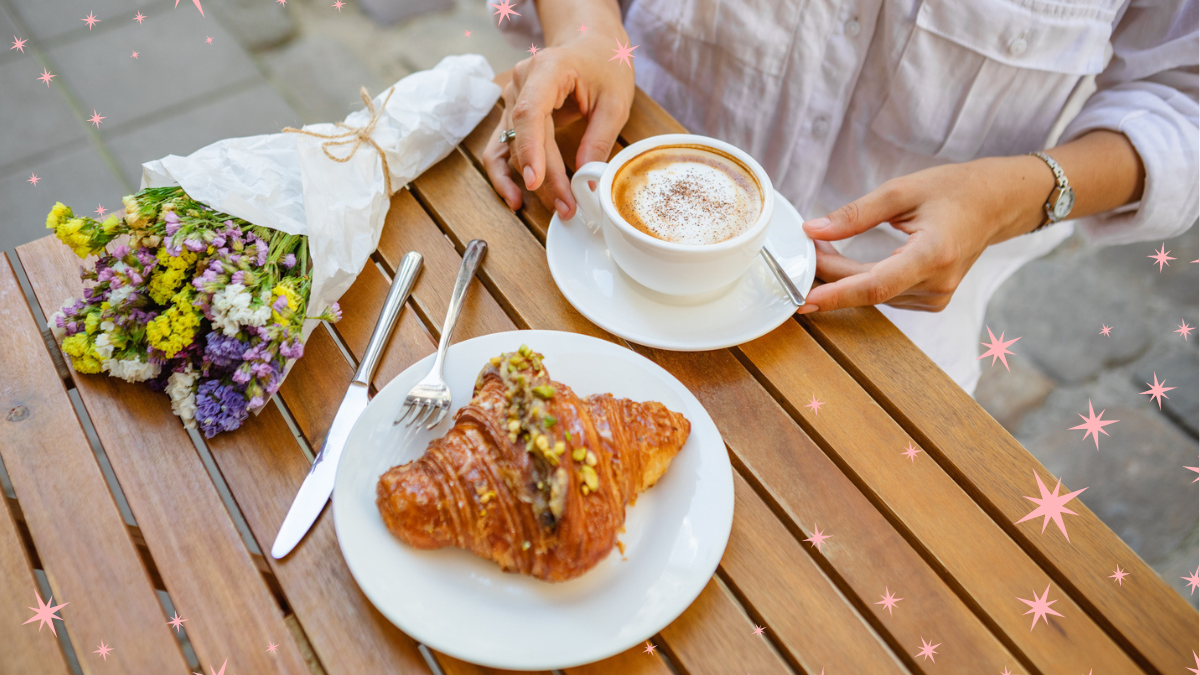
x=570, y=78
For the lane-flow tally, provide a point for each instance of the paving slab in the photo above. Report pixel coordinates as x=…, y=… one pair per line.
x=1177, y=368
x=53, y=18
x=1177, y=283
x=175, y=66
x=35, y=117
x=257, y=110
x=255, y=24
x=1010, y=394
x=77, y=177
x=9, y=31
x=321, y=77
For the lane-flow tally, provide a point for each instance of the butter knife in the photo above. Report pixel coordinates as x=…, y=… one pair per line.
x=318, y=484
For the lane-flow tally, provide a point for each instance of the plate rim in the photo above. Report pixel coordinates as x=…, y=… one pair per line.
x=556, y=224
x=724, y=466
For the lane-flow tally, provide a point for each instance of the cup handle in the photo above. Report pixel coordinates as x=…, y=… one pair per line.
x=588, y=199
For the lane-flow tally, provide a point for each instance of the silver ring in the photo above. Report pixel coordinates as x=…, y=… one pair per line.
x=506, y=136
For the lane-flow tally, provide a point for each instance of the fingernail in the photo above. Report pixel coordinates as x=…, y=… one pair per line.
x=805, y=309
x=561, y=208
x=817, y=223
x=529, y=176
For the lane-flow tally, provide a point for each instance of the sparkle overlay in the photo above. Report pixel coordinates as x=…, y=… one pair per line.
x=134, y=55
x=90, y=20
x=100, y=210
x=1093, y=424
x=817, y=539
x=814, y=405
x=46, y=77
x=624, y=53
x=504, y=9
x=927, y=650
x=218, y=672
x=533, y=49
x=1197, y=668
x=197, y=4
x=208, y=39
x=103, y=650
x=758, y=630
x=338, y=5
x=19, y=44
x=911, y=452
x=44, y=613
x=1184, y=330
x=33, y=178
x=176, y=621
x=271, y=646
x=1105, y=330
x=140, y=17
x=582, y=29
x=1158, y=390
x=96, y=118
x=1193, y=583
x=1119, y=576
x=1051, y=505
x=1039, y=607
x=1196, y=469
x=649, y=649
x=889, y=600
x=467, y=33
x=997, y=348
x=1161, y=257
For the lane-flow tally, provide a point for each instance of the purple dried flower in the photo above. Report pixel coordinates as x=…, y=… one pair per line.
x=194, y=245
x=237, y=277
x=120, y=251
x=106, y=274
x=242, y=374
x=289, y=261
x=172, y=225
x=219, y=408
x=222, y=350
x=280, y=304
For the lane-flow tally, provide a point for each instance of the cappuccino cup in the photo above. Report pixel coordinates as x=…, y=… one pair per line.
x=680, y=214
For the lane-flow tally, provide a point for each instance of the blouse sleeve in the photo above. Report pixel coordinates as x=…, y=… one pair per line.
x=1149, y=93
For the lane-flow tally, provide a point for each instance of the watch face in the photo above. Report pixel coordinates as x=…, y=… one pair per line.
x=1066, y=199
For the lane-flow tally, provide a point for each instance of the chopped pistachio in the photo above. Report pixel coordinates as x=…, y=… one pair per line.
x=495, y=360
x=578, y=454
x=542, y=443
x=518, y=361
x=590, y=458
x=559, y=447
x=540, y=485
x=583, y=489
x=524, y=350
x=568, y=436
x=590, y=477
x=549, y=421
x=543, y=391
x=512, y=438
x=552, y=458
x=513, y=425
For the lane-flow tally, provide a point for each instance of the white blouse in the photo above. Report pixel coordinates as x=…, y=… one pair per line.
x=833, y=98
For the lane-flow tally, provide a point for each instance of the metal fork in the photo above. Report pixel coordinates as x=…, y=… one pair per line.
x=431, y=394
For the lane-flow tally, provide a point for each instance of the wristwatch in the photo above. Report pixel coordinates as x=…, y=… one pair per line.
x=1062, y=197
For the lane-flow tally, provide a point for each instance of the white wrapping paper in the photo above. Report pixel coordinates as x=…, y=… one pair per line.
x=286, y=182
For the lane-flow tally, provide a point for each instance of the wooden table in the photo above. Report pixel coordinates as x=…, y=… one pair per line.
x=937, y=530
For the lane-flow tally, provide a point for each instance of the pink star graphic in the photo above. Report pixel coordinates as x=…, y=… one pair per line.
x=889, y=600
x=1195, y=670
x=18, y=44
x=533, y=49
x=100, y=210
x=103, y=650
x=815, y=405
x=45, y=613
x=208, y=39
x=1196, y=469
x=997, y=349
x=817, y=539
x=758, y=630
x=95, y=118
x=282, y=2
x=271, y=646
x=927, y=650
x=1039, y=607
x=1006, y=671
x=90, y=20
x=1160, y=256
x=1105, y=330
x=33, y=178
x=219, y=672
x=1093, y=423
x=46, y=77
x=176, y=621
x=1119, y=576
x=649, y=649
x=1193, y=583
x=1051, y=505
x=134, y=55
x=142, y=17
x=1157, y=390
x=624, y=53
x=467, y=34
x=911, y=452
x=503, y=9
x=194, y=2
x=338, y=5
x=582, y=29
x=1184, y=330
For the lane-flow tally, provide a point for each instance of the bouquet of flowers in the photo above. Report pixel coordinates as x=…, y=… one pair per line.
x=195, y=302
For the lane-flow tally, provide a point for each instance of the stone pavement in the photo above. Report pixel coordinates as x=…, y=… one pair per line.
x=270, y=66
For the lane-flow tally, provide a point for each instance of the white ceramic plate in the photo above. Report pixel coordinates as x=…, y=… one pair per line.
x=751, y=307
x=465, y=606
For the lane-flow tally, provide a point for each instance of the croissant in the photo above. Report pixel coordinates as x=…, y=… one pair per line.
x=531, y=476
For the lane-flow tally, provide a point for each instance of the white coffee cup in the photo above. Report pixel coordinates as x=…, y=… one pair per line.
x=664, y=266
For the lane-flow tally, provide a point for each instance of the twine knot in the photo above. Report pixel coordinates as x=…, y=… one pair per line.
x=355, y=136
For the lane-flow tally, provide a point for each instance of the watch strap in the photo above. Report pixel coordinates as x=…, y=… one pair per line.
x=1060, y=180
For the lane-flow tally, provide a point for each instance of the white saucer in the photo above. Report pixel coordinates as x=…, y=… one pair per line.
x=749, y=308
x=467, y=607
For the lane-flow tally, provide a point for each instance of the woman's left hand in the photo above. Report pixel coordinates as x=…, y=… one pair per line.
x=951, y=214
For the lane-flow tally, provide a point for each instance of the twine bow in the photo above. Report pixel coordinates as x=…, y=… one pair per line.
x=356, y=136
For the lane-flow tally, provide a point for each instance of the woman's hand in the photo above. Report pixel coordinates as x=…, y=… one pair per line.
x=951, y=214
x=570, y=78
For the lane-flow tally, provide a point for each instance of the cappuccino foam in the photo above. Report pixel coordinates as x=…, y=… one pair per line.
x=687, y=194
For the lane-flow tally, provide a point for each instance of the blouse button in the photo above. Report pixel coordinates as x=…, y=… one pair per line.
x=1017, y=47
x=820, y=127
x=853, y=28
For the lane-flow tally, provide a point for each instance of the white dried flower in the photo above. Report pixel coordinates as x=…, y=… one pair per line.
x=181, y=387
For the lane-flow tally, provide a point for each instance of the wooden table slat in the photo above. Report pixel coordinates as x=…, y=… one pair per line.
x=810, y=488
x=990, y=568
x=67, y=505
x=26, y=649
x=997, y=472
x=632, y=661
x=207, y=569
